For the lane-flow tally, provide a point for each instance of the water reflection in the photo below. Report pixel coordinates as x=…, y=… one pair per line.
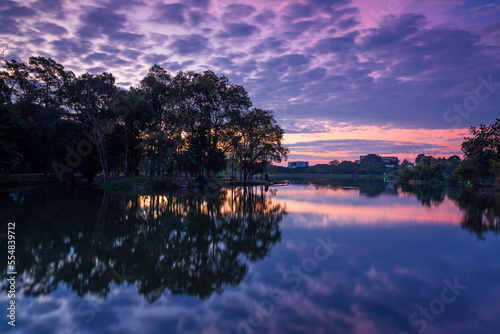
x=481, y=210
x=427, y=195
x=368, y=187
x=192, y=243
x=398, y=244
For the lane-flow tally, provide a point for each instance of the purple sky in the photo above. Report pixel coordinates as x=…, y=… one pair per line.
x=343, y=79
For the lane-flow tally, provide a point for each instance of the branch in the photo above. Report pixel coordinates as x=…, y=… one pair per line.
x=2, y=52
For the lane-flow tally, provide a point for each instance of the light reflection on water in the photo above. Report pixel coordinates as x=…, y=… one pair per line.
x=204, y=262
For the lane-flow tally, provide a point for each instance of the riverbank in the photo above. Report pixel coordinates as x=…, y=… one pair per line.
x=143, y=184
x=24, y=181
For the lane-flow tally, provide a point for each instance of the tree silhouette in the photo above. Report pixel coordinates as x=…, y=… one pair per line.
x=194, y=244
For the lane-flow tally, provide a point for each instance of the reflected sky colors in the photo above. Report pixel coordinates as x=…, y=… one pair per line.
x=395, y=250
x=315, y=208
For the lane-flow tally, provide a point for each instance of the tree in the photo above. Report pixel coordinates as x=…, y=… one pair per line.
x=33, y=97
x=486, y=137
x=482, y=154
x=419, y=158
x=90, y=97
x=372, y=164
x=405, y=163
x=344, y=167
x=132, y=111
x=259, y=141
x=190, y=123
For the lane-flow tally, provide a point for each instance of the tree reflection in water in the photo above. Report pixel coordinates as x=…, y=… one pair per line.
x=427, y=195
x=480, y=207
x=191, y=243
x=481, y=210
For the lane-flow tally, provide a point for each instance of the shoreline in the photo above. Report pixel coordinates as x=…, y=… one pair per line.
x=141, y=184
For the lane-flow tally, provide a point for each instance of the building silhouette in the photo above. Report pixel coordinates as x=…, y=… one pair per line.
x=294, y=164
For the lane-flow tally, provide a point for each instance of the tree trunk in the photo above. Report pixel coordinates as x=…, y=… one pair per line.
x=102, y=153
x=126, y=155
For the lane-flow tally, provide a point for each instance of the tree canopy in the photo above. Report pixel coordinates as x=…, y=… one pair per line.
x=168, y=125
x=482, y=155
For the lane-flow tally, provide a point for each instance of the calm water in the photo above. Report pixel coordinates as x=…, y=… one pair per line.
x=351, y=258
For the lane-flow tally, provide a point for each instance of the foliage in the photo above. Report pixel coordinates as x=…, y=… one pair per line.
x=188, y=124
x=429, y=170
x=482, y=155
x=372, y=164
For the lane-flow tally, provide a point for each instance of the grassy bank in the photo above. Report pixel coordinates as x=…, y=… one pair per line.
x=142, y=184
x=135, y=184
x=20, y=182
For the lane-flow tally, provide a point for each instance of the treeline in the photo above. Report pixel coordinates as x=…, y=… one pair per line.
x=372, y=164
x=52, y=121
x=481, y=165
x=431, y=170
x=425, y=169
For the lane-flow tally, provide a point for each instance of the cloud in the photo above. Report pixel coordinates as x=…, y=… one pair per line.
x=333, y=44
x=272, y=44
x=51, y=28
x=98, y=22
x=347, y=23
x=236, y=11
x=358, y=146
x=238, y=30
x=198, y=3
x=264, y=17
x=288, y=55
x=171, y=13
x=18, y=12
x=155, y=58
x=189, y=44
x=126, y=37
x=97, y=57
x=297, y=11
x=9, y=26
x=96, y=70
x=67, y=47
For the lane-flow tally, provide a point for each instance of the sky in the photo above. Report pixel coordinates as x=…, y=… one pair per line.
x=344, y=77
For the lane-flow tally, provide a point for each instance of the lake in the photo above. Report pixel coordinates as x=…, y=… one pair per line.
x=329, y=257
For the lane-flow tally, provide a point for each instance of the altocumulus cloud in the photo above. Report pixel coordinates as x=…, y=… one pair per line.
x=288, y=55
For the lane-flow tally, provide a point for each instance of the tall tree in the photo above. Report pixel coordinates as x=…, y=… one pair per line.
x=482, y=154
x=260, y=141
x=90, y=98
x=131, y=111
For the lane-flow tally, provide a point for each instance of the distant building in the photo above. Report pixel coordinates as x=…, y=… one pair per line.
x=294, y=164
x=384, y=159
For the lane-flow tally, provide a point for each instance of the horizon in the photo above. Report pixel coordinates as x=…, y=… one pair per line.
x=326, y=162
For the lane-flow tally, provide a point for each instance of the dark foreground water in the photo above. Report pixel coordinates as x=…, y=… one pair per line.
x=352, y=258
